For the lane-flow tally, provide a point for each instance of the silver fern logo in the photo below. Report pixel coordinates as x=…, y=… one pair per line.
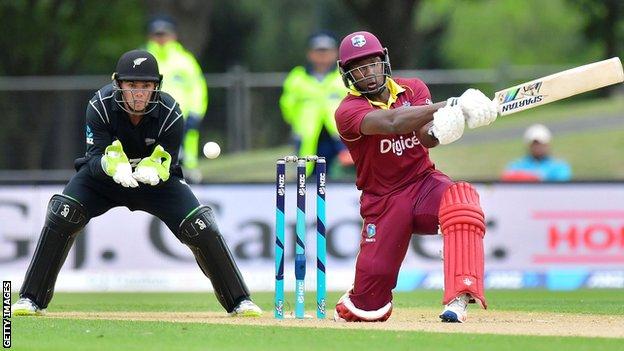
x=139, y=61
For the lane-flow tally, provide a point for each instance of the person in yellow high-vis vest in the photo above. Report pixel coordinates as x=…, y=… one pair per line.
x=183, y=79
x=310, y=98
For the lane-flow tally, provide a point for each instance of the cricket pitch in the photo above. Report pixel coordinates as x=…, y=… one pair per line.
x=479, y=322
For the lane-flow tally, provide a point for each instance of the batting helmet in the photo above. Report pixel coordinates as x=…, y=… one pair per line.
x=356, y=46
x=137, y=65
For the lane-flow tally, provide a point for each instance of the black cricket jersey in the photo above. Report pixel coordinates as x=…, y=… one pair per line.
x=106, y=122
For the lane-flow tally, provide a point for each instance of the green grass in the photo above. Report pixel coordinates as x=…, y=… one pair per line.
x=592, y=156
x=562, y=110
x=594, y=153
x=65, y=334
x=252, y=166
x=54, y=334
x=578, y=301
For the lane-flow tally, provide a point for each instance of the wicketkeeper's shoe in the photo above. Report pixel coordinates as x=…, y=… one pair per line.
x=246, y=308
x=455, y=311
x=25, y=307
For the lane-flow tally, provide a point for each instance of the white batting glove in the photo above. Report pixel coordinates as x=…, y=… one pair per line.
x=448, y=124
x=147, y=175
x=479, y=109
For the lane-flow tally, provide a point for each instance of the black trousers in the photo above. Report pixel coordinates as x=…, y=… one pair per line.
x=170, y=201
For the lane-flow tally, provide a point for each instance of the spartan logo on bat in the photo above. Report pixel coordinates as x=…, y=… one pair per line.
x=531, y=90
x=521, y=97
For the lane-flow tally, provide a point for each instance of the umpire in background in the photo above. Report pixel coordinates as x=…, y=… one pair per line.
x=184, y=80
x=133, y=134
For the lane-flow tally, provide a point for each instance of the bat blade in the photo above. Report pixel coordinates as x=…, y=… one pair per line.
x=559, y=86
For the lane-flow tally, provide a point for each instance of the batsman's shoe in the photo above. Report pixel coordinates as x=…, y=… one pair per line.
x=246, y=308
x=347, y=312
x=25, y=307
x=455, y=311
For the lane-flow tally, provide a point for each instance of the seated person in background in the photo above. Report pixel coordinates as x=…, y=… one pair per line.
x=537, y=165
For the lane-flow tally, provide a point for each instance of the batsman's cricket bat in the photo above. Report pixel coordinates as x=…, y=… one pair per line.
x=559, y=86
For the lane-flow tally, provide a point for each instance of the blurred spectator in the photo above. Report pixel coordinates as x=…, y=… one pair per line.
x=538, y=164
x=184, y=80
x=310, y=98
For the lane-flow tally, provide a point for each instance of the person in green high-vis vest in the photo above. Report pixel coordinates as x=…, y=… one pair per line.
x=183, y=79
x=310, y=97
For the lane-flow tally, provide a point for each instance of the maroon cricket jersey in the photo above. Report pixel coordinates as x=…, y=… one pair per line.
x=384, y=163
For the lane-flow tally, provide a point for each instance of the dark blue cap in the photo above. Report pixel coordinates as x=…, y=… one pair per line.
x=161, y=24
x=322, y=40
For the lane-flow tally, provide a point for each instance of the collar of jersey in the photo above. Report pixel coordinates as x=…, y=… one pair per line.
x=394, y=89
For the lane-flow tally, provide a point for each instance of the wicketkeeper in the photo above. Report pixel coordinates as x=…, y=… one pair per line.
x=133, y=134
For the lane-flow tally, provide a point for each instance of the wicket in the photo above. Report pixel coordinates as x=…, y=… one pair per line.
x=300, y=257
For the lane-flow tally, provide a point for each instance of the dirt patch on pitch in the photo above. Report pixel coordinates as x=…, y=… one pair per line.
x=480, y=322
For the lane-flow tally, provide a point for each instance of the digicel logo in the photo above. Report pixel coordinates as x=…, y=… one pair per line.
x=397, y=146
x=582, y=237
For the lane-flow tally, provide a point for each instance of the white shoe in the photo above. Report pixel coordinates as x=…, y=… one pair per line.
x=455, y=311
x=246, y=308
x=25, y=307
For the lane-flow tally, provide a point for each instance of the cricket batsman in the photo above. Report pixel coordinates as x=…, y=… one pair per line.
x=133, y=134
x=388, y=124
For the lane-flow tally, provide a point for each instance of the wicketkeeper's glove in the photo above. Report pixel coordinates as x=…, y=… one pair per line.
x=115, y=164
x=151, y=170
